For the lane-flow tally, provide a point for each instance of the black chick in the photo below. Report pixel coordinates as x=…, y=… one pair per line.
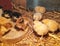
x=15, y=16
x=7, y=14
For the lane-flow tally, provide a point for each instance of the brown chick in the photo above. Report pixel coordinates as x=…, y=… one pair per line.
x=22, y=23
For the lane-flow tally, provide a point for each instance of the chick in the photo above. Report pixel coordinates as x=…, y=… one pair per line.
x=40, y=28
x=3, y=30
x=3, y=20
x=40, y=9
x=37, y=16
x=22, y=23
x=15, y=16
x=52, y=25
x=7, y=14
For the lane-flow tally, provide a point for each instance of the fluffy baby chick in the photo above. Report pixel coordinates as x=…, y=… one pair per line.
x=40, y=28
x=7, y=14
x=40, y=9
x=37, y=16
x=3, y=30
x=52, y=25
x=3, y=20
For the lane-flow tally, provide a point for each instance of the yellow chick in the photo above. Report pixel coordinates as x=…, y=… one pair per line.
x=40, y=9
x=3, y=30
x=37, y=16
x=52, y=25
x=40, y=28
x=3, y=20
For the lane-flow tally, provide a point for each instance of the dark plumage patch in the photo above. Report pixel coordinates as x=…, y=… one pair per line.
x=1, y=7
x=7, y=12
x=18, y=29
x=16, y=14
